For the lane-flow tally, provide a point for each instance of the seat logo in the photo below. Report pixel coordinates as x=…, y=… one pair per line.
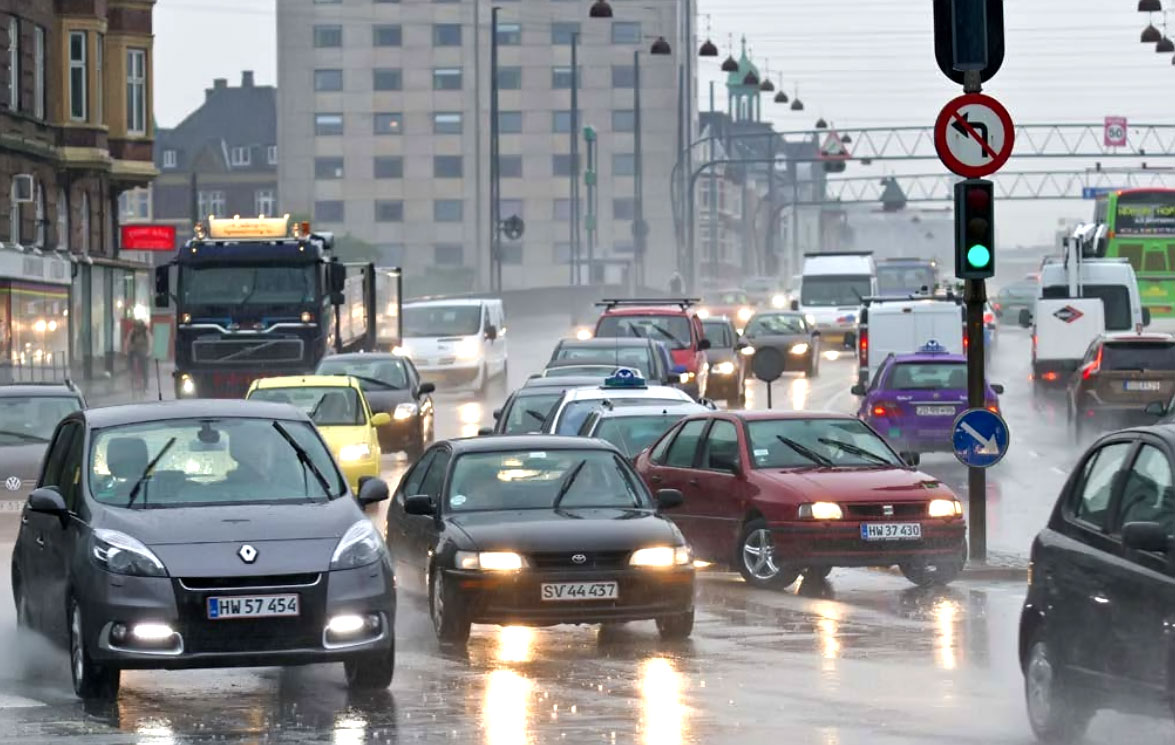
x=247, y=553
x=887, y=510
x=578, y=559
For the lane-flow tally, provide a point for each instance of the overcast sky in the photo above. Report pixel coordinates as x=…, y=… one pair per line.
x=856, y=62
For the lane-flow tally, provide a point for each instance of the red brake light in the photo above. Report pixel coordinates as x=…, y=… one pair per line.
x=863, y=347
x=989, y=317
x=1050, y=376
x=1092, y=368
x=878, y=411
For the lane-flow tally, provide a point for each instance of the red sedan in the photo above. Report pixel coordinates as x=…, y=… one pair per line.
x=777, y=494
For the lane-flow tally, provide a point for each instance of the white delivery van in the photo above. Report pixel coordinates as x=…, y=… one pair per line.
x=460, y=341
x=832, y=289
x=903, y=326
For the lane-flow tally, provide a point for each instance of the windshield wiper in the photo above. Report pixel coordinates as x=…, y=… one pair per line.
x=857, y=450
x=147, y=472
x=537, y=415
x=317, y=404
x=23, y=436
x=805, y=451
x=373, y=381
x=249, y=294
x=637, y=331
x=304, y=457
x=663, y=332
x=568, y=480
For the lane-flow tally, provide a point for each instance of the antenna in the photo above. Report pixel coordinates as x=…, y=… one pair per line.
x=158, y=380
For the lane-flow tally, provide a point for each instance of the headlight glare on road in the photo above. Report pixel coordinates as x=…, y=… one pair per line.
x=946, y=508
x=360, y=545
x=798, y=350
x=406, y=410
x=724, y=368
x=778, y=301
x=355, y=451
x=489, y=561
x=120, y=554
x=821, y=511
x=661, y=556
x=467, y=349
x=744, y=314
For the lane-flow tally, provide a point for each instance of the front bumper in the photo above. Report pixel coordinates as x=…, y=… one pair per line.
x=838, y=543
x=200, y=642
x=516, y=598
x=456, y=374
x=916, y=437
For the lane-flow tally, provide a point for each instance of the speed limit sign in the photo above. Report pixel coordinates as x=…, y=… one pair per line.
x=1115, y=131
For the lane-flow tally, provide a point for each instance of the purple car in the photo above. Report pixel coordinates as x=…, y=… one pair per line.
x=913, y=399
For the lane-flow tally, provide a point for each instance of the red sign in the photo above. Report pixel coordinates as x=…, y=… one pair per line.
x=974, y=135
x=148, y=237
x=1116, y=131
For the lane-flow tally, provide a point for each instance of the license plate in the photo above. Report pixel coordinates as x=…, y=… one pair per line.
x=935, y=410
x=891, y=531
x=580, y=591
x=252, y=606
x=1143, y=385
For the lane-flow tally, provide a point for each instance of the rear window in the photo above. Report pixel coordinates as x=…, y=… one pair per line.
x=905, y=280
x=1138, y=356
x=632, y=434
x=528, y=413
x=928, y=375
x=618, y=357
x=1115, y=299
x=719, y=333
x=674, y=330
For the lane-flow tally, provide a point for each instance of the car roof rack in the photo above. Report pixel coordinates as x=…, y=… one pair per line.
x=682, y=302
x=948, y=297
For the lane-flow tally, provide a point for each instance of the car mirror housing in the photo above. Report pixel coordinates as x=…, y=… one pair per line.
x=1025, y=317
x=426, y=388
x=1146, y=316
x=419, y=504
x=999, y=389
x=911, y=459
x=795, y=305
x=857, y=390
x=1146, y=537
x=667, y=499
x=491, y=332
x=380, y=419
x=485, y=431
x=372, y=490
x=497, y=414
x=48, y=501
x=704, y=344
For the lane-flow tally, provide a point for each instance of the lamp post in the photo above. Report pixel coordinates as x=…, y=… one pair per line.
x=495, y=173
x=574, y=134
x=640, y=227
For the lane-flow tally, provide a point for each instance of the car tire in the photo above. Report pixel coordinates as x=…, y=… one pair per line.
x=91, y=682
x=449, y=618
x=677, y=627
x=21, y=603
x=925, y=574
x=755, y=559
x=1055, y=712
x=369, y=672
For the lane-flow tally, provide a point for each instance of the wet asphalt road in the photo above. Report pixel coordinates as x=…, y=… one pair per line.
x=862, y=658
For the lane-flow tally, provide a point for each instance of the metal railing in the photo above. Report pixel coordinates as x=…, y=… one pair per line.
x=51, y=368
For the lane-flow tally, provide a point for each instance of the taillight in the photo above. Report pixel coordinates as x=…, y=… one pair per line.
x=885, y=409
x=863, y=347
x=1092, y=368
x=989, y=317
x=1050, y=376
x=993, y=407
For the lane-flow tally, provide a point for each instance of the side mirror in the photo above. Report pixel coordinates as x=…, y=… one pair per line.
x=1146, y=316
x=857, y=390
x=725, y=464
x=667, y=499
x=485, y=431
x=999, y=389
x=426, y=388
x=336, y=278
x=372, y=490
x=419, y=504
x=497, y=414
x=162, y=286
x=491, y=332
x=703, y=344
x=1146, y=537
x=1156, y=409
x=48, y=501
x=815, y=332
x=741, y=345
x=795, y=305
x=382, y=419
x=1025, y=317
x=911, y=459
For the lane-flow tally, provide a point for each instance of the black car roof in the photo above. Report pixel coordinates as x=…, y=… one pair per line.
x=607, y=342
x=114, y=416
x=496, y=443
x=34, y=390
x=362, y=357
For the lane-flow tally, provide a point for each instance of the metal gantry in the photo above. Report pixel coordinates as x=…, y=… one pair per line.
x=1023, y=185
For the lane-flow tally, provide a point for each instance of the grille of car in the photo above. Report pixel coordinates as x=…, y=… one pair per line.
x=247, y=351
x=567, y=560
x=249, y=635
x=253, y=581
x=878, y=510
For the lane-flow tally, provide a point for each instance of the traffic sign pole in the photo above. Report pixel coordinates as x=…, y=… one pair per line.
x=976, y=296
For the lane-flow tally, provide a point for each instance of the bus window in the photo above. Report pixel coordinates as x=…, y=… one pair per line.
x=1132, y=252
x=1156, y=261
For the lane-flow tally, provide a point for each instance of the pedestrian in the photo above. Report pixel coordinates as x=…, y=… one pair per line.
x=137, y=345
x=675, y=285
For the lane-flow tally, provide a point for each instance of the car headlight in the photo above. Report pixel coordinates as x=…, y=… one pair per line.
x=778, y=301
x=118, y=553
x=724, y=368
x=360, y=545
x=703, y=313
x=355, y=451
x=686, y=377
x=467, y=349
x=945, y=508
x=744, y=314
x=661, y=556
x=583, y=334
x=799, y=349
x=490, y=561
x=187, y=386
x=406, y=410
x=821, y=511
x=811, y=319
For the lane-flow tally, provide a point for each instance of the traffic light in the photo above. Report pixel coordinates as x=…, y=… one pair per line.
x=974, y=229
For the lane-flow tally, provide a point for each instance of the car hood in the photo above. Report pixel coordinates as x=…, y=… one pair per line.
x=339, y=437
x=531, y=531
x=21, y=462
x=859, y=484
x=204, y=541
x=714, y=356
x=386, y=400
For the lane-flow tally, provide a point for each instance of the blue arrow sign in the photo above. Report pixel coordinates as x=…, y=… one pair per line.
x=1095, y=192
x=980, y=438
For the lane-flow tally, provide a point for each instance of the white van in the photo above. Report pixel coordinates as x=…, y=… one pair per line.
x=832, y=289
x=460, y=341
x=892, y=326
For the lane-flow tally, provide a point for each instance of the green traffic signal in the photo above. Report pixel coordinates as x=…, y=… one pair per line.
x=978, y=256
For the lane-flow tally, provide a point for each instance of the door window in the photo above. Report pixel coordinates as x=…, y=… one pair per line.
x=685, y=445
x=71, y=470
x=721, y=449
x=1147, y=495
x=658, y=454
x=435, y=478
x=416, y=476
x=51, y=476
x=1097, y=483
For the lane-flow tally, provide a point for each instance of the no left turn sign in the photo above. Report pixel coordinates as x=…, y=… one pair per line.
x=974, y=135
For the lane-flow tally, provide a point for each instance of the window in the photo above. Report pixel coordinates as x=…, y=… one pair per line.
x=1097, y=483
x=623, y=164
x=658, y=453
x=448, y=210
x=271, y=155
x=561, y=165
x=329, y=210
x=328, y=124
x=85, y=224
x=326, y=81
x=328, y=168
x=447, y=123
x=510, y=207
x=134, y=204
x=509, y=122
x=681, y=452
x=562, y=210
x=99, y=77
x=39, y=73
x=434, y=480
x=241, y=156
x=560, y=121
x=388, y=166
x=415, y=477
x=623, y=208
x=447, y=166
x=327, y=2
x=561, y=78
x=509, y=78
x=563, y=252
x=78, y=100
x=388, y=124
x=136, y=91
x=623, y=76
x=626, y=32
x=510, y=166
x=264, y=202
x=511, y=253
x=509, y=34
x=1148, y=495
x=328, y=36
x=62, y=221
x=13, y=214
x=446, y=34
x=448, y=254
x=387, y=79
x=389, y=210
x=562, y=31
x=14, y=63
x=446, y=79
x=721, y=449
x=207, y=202
x=623, y=120
x=387, y=36
x=170, y=158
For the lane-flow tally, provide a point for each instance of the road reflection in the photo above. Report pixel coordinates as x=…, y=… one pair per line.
x=800, y=390
x=514, y=643
x=506, y=713
x=663, y=713
x=469, y=414
x=946, y=619
x=349, y=729
x=155, y=731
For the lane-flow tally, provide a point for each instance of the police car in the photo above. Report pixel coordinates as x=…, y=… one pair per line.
x=625, y=387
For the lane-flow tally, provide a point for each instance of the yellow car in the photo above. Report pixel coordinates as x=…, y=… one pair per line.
x=339, y=409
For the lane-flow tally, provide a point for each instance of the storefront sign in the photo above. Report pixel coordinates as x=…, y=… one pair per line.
x=47, y=268
x=148, y=237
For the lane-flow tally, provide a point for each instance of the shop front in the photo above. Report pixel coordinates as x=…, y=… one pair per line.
x=34, y=316
x=108, y=296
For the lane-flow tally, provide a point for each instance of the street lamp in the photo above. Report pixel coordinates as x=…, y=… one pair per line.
x=708, y=49
x=821, y=124
x=661, y=47
x=1165, y=46
x=600, y=9
x=797, y=104
x=1151, y=35
x=767, y=86
x=1149, y=6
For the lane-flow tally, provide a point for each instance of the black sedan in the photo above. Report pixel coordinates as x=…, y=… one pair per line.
x=392, y=385
x=202, y=534
x=527, y=409
x=788, y=332
x=639, y=354
x=539, y=530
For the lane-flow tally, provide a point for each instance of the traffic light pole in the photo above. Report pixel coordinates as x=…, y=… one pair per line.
x=975, y=295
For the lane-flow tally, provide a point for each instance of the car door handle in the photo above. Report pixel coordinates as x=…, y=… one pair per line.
x=656, y=479
x=41, y=541
x=693, y=482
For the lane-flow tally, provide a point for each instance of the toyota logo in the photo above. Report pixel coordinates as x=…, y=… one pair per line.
x=578, y=559
x=12, y=483
x=248, y=554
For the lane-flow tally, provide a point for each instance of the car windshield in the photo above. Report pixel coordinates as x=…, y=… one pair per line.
x=834, y=291
x=373, y=374
x=32, y=419
x=775, y=324
x=905, y=280
x=1138, y=356
x=638, y=357
x=576, y=413
x=209, y=462
x=247, y=285
x=829, y=443
x=327, y=406
x=731, y=297
x=441, y=320
x=632, y=434
x=575, y=371
x=719, y=333
x=924, y=376
x=527, y=413
x=543, y=480
x=674, y=330
x=1115, y=302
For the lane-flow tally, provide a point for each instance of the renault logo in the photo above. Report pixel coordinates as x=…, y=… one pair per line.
x=578, y=559
x=247, y=553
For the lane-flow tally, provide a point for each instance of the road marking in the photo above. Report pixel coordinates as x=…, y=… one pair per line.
x=8, y=701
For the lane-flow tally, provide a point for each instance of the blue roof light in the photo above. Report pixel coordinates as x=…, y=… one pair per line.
x=933, y=347
x=624, y=377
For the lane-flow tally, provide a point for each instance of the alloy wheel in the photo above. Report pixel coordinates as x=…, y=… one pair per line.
x=1040, y=680
x=759, y=555
x=76, y=653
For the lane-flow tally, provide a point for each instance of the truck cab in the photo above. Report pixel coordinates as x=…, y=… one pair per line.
x=832, y=290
